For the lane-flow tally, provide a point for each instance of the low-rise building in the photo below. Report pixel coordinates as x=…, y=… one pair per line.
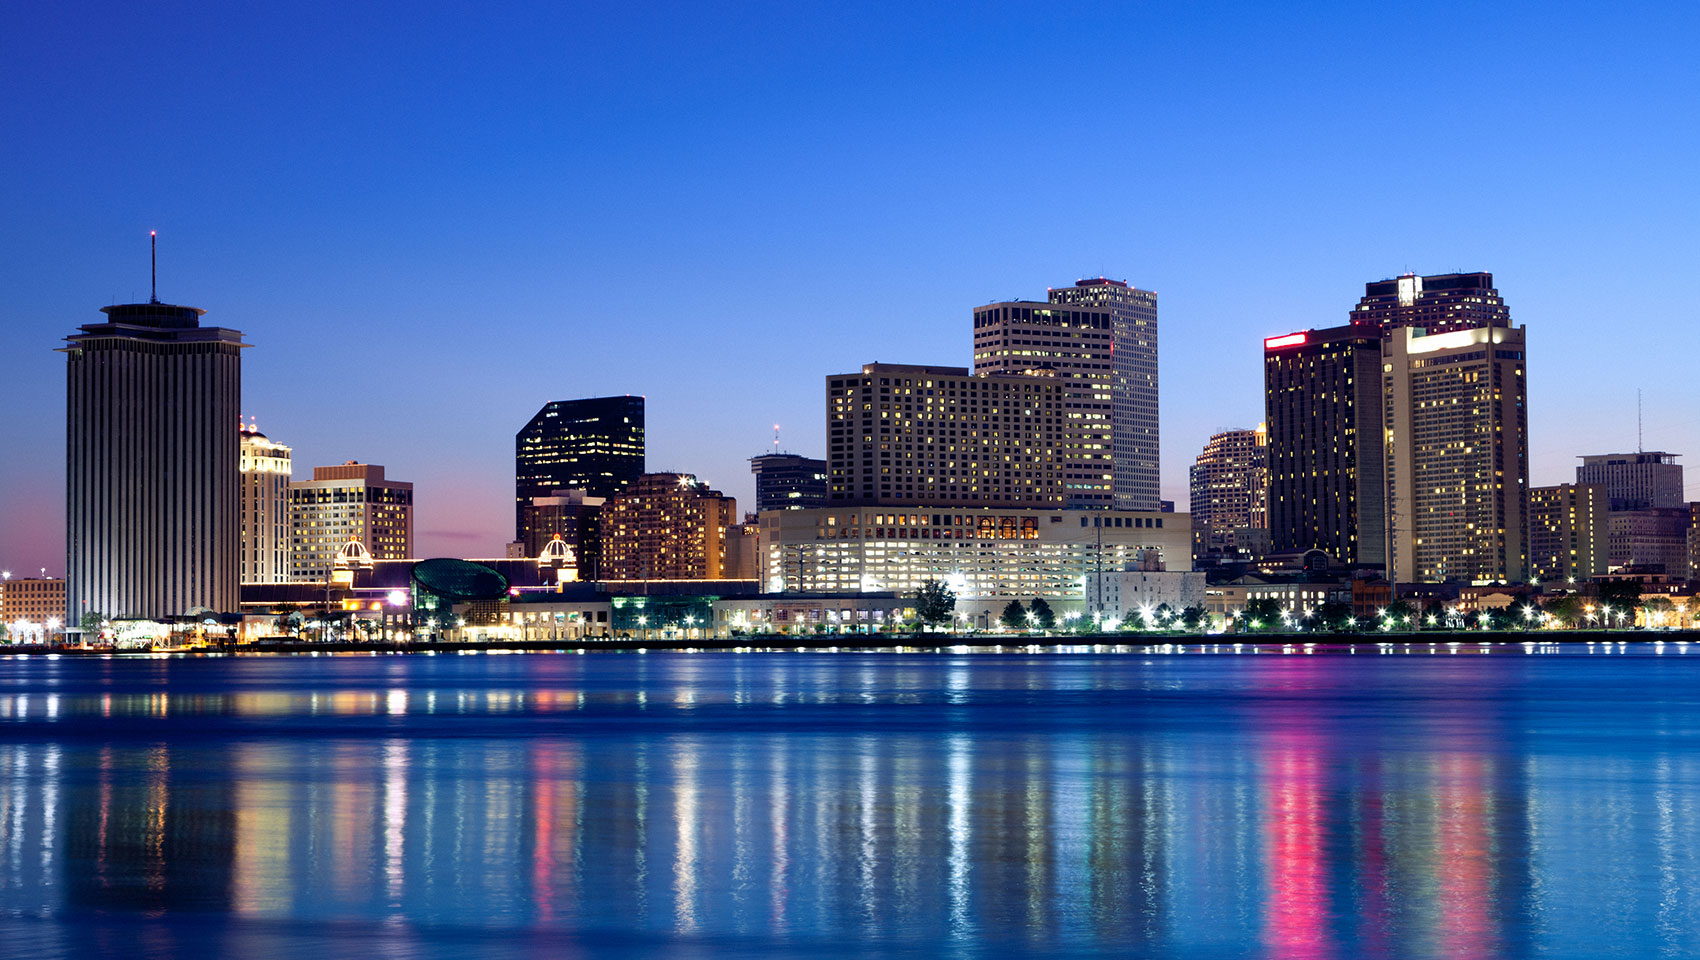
x=34, y=601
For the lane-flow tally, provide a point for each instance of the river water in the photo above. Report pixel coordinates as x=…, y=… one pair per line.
x=1440, y=802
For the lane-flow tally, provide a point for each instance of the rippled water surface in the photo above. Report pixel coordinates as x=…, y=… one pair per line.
x=1423, y=804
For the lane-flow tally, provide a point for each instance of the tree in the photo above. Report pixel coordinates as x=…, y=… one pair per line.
x=91, y=621
x=1566, y=610
x=1042, y=614
x=1335, y=615
x=1400, y=612
x=1659, y=610
x=1192, y=616
x=935, y=604
x=1262, y=613
x=1621, y=597
x=1014, y=616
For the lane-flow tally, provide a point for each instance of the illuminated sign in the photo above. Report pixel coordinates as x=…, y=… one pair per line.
x=1290, y=340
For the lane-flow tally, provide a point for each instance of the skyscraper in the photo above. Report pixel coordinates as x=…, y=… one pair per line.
x=1457, y=453
x=1567, y=531
x=1438, y=304
x=1074, y=345
x=264, y=475
x=152, y=513
x=1323, y=406
x=349, y=501
x=786, y=481
x=595, y=445
x=906, y=435
x=1133, y=385
x=1230, y=495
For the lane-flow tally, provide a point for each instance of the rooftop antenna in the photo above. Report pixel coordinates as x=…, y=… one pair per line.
x=153, y=281
x=1638, y=446
x=776, y=438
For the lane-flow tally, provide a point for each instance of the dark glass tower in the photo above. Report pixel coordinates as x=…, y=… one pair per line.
x=152, y=483
x=1322, y=401
x=1438, y=304
x=786, y=481
x=594, y=445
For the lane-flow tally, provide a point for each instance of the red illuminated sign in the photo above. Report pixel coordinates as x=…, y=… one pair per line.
x=1290, y=340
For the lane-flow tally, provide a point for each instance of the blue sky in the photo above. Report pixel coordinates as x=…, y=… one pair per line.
x=429, y=222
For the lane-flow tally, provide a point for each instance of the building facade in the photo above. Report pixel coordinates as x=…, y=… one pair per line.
x=572, y=515
x=1654, y=540
x=666, y=526
x=152, y=515
x=1635, y=481
x=1134, y=434
x=350, y=501
x=987, y=555
x=786, y=481
x=1438, y=304
x=264, y=472
x=1323, y=408
x=1073, y=345
x=38, y=601
x=900, y=434
x=1230, y=495
x=1567, y=531
x=595, y=445
x=1456, y=453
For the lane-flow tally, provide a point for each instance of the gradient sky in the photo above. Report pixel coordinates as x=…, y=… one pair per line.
x=429, y=224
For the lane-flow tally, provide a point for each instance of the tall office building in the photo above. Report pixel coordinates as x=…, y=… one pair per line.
x=1438, y=304
x=1323, y=407
x=264, y=472
x=1654, y=540
x=1635, y=481
x=350, y=501
x=1074, y=345
x=1457, y=453
x=900, y=434
x=1133, y=385
x=666, y=526
x=1230, y=495
x=152, y=514
x=786, y=481
x=595, y=445
x=1567, y=531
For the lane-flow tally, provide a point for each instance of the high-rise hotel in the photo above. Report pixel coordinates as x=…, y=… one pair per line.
x=1133, y=385
x=1074, y=346
x=1401, y=439
x=151, y=480
x=1322, y=404
x=265, y=508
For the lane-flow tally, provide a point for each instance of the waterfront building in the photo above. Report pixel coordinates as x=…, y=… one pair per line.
x=1567, y=531
x=264, y=475
x=350, y=501
x=1694, y=541
x=1128, y=596
x=987, y=555
x=1456, y=453
x=1229, y=483
x=39, y=601
x=1324, y=411
x=1133, y=385
x=151, y=485
x=1074, y=345
x=572, y=515
x=1438, y=304
x=787, y=481
x=595, y=445
x=904, y=435
x=666, y=526
x=1635, y=481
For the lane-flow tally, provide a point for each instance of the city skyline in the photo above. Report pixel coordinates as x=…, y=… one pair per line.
x=354, y=273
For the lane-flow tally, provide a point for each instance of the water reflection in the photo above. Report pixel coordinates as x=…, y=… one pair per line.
x=1304, y=806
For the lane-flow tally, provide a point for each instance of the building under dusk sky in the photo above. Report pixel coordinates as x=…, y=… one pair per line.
x=716, y=209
